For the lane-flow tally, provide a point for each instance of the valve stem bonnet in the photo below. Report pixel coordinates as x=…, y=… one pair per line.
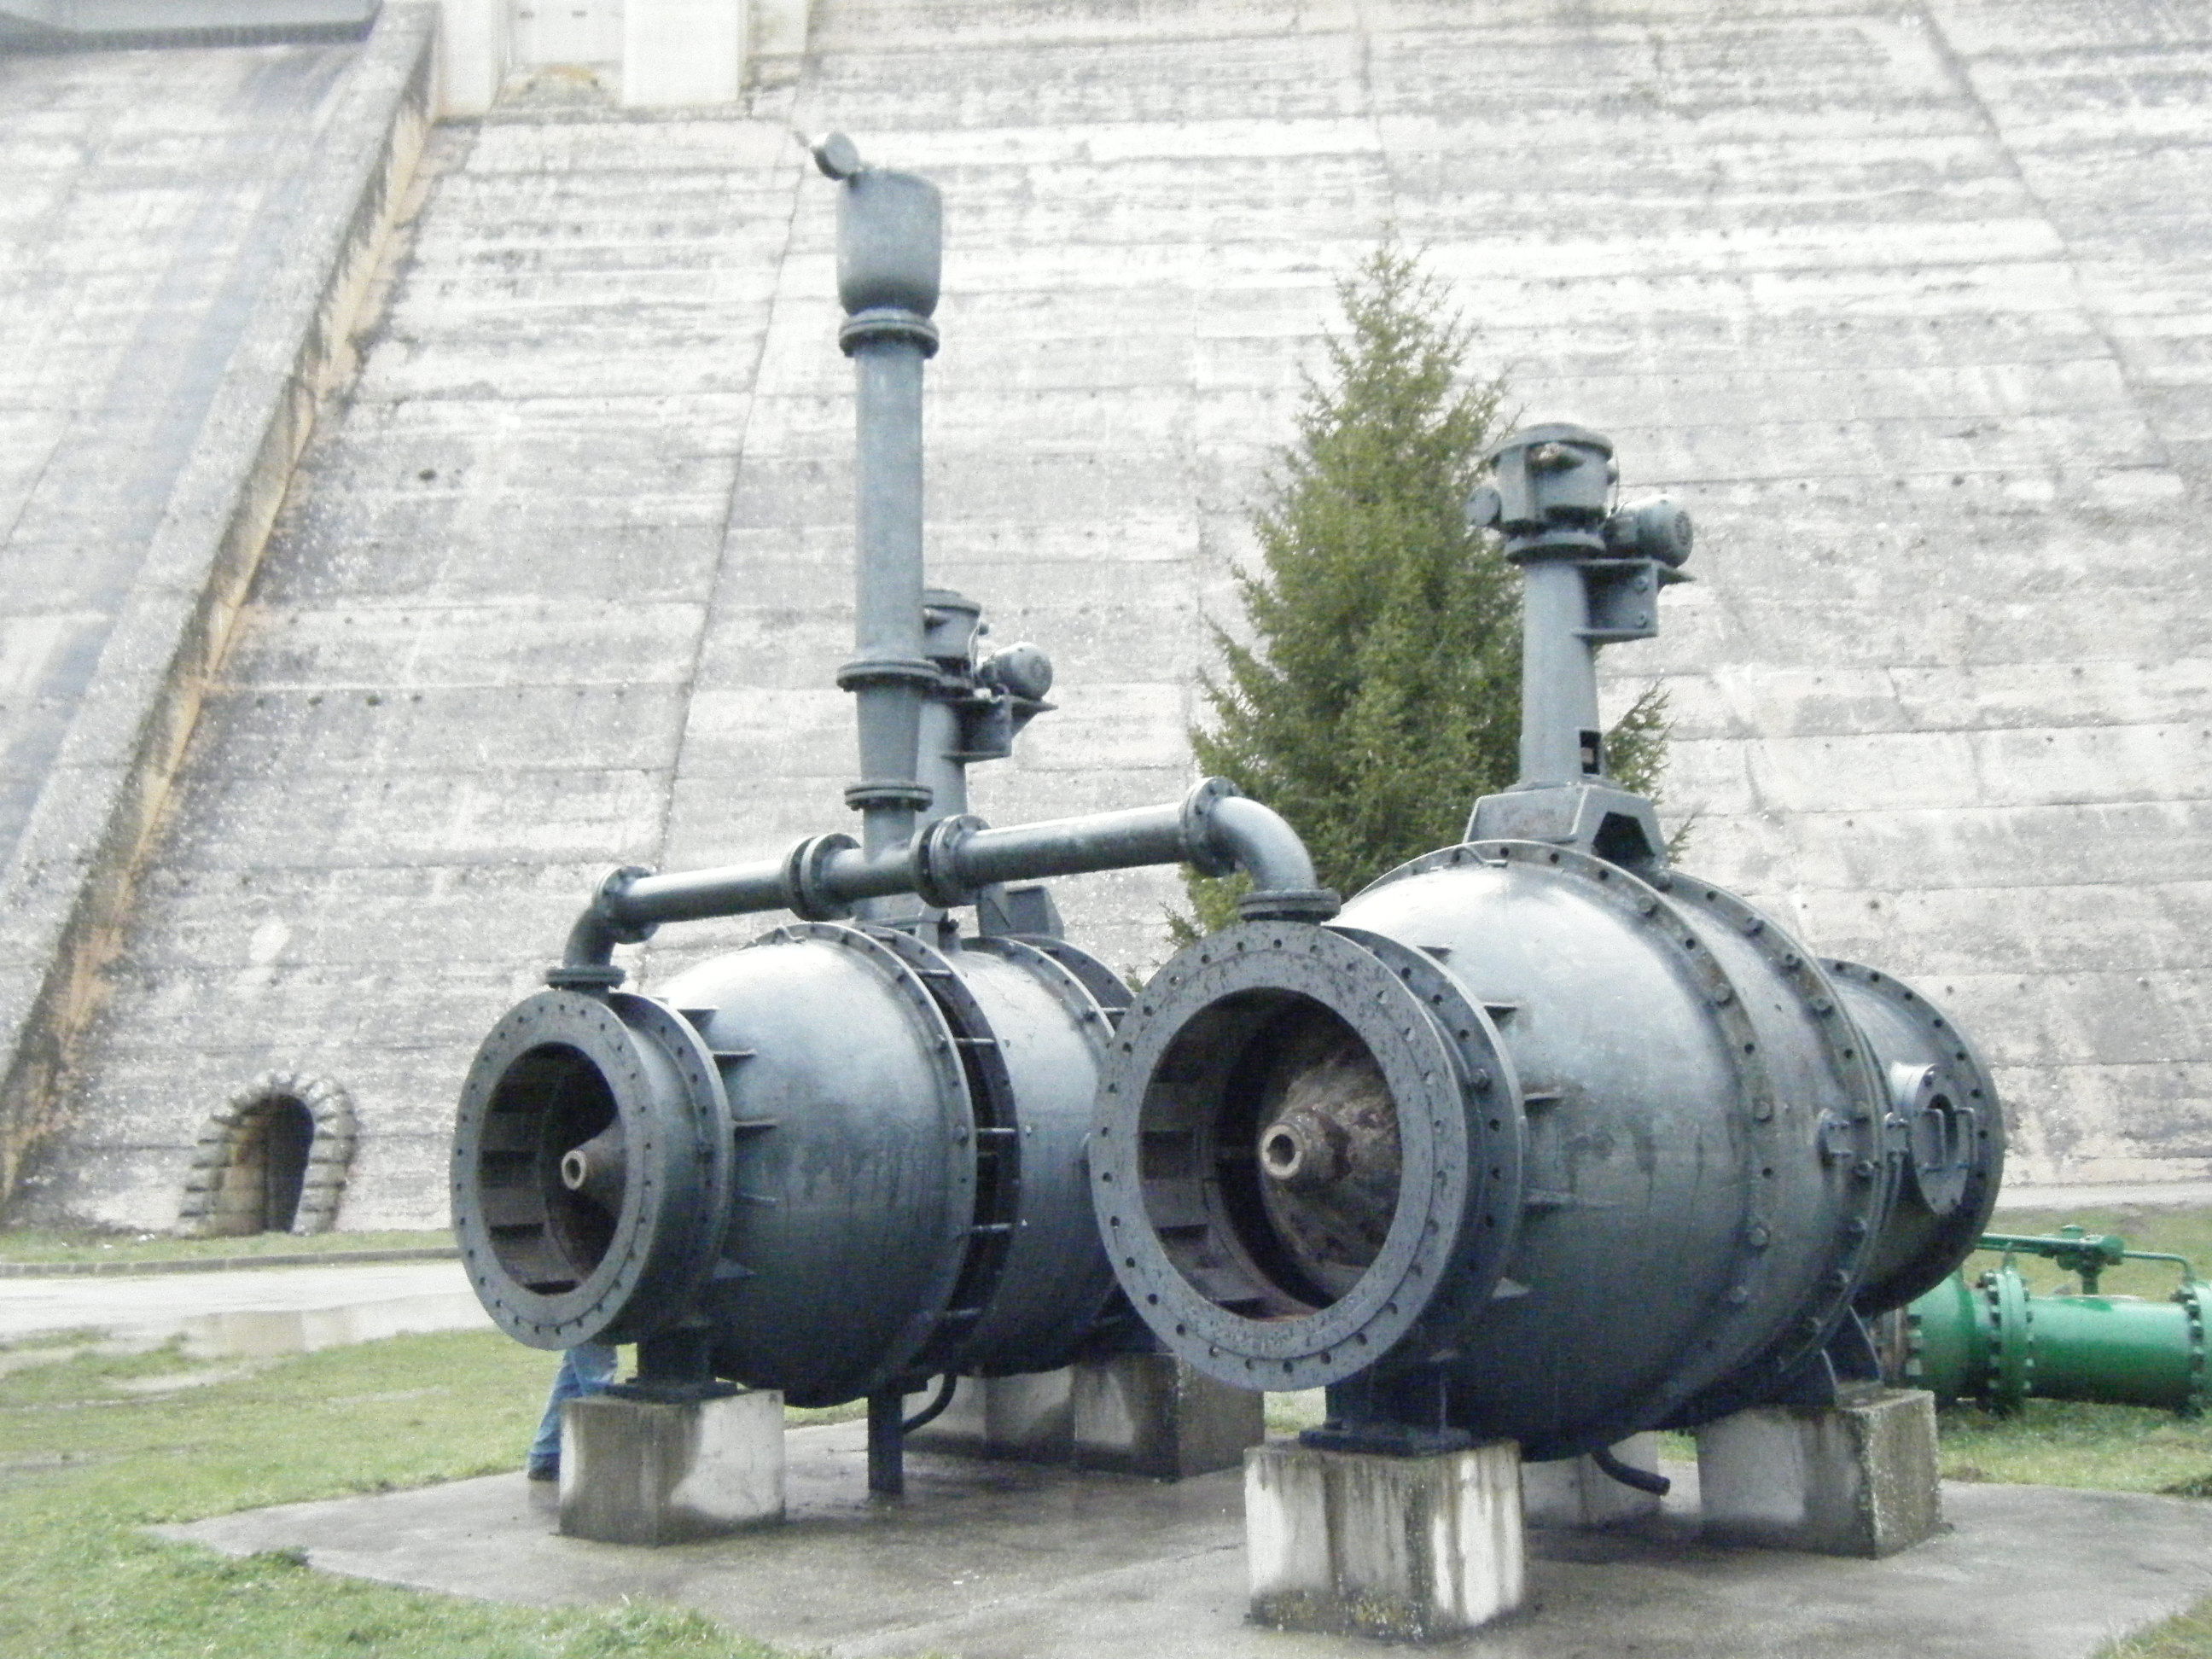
x=890, y=243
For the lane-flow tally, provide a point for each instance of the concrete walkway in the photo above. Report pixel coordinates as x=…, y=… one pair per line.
x=246, y=1314
x=1003, y=1561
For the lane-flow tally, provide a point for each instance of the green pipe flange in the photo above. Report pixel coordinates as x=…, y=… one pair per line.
x=2192, y=1297
x=2012, y=1370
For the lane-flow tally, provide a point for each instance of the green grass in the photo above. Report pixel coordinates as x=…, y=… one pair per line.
x=2062, y=1443
x=52, y=1244
x=86, y=1462
x=2185, y=1635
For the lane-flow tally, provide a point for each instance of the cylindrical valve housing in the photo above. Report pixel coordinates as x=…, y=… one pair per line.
x=853, y=1159
x=1604, y=1153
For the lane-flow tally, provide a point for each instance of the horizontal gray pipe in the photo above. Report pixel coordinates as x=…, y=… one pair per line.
x=1211, y=827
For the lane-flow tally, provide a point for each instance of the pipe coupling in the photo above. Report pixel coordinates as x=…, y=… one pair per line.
x=805, y=889
x=888, y=324
x=1196, y=826
x=608, y=909
x=865, y=672
x=887, y=792
x=1290, y=904
x=937, y=861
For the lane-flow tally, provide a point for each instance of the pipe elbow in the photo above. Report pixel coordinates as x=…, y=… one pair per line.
x=587, y=963
x=1225, y=830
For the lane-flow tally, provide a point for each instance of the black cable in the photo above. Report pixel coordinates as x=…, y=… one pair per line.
x=935, y=1408
x=1629, y=1475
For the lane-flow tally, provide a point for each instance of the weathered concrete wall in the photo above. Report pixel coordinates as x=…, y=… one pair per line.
x=191, y=235
x=460, y=687
x=1906, y=302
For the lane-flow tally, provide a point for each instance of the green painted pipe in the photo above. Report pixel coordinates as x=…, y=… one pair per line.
x=1996, y=1341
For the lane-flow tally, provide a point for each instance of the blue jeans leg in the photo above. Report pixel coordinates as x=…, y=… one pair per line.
x=584, y=1369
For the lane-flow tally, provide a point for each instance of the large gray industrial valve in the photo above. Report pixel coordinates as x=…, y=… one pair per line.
x=1539, y=1138
x=850, y=1157
x=846, y=1158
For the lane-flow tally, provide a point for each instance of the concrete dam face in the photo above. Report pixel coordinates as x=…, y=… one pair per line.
x=409, y=519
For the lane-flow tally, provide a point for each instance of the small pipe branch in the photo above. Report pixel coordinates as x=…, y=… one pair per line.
x=1212, y=828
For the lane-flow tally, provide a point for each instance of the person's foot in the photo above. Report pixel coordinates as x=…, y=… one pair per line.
x=548, y=1470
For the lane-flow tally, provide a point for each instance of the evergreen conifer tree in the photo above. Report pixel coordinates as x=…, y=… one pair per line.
x=1379, y=692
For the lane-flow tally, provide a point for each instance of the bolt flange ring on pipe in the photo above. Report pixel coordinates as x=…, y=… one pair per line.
x=2011, y=1359
x=937, y=861
x=555, y=1265
x=806, y=896
x=888, y=323
x=2191, y=1296
x=1196, y=819
x=1175, y=1182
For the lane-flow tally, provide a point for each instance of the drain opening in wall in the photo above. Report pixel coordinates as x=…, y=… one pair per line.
x=272, y=1158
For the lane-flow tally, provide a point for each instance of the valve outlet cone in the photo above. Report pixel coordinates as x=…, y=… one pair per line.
x=1328, y=1155
x=595, y=1171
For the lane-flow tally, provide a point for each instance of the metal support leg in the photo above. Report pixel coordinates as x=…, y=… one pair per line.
x=675, y=1367
x=887, y=1444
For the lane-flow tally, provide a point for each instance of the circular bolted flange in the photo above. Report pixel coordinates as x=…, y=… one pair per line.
x=937, y=861
x=1850, y=1139
x=556, y=1265
x=803, y=882
x=1174, y=1171
x=1948, y=1186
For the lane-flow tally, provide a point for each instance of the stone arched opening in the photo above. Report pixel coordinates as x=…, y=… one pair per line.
x=272, y=1159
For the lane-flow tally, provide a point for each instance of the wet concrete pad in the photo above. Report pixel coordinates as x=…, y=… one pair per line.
x=1004, y=1561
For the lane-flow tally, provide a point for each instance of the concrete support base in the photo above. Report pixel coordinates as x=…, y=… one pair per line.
x=1149, y=1413
x=1409, y=1548
x=1139, y=1414
x=1573, y=1491
x=1857, y=1478
x=643, y=1472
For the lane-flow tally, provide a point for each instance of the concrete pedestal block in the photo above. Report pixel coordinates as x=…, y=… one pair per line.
x=642, y=1471
x=1857, y=1478
x=1028, y=1418
x=1573, y=1491
x=1139, y=1413
x=1416, y=1548
x=1150, y=1413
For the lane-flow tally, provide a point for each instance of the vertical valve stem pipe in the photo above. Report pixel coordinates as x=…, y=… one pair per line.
x=1558, y=674
x=889, y=249
x=1553, y=485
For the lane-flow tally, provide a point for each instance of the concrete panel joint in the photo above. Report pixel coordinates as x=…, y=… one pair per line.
x=1857, y=1478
